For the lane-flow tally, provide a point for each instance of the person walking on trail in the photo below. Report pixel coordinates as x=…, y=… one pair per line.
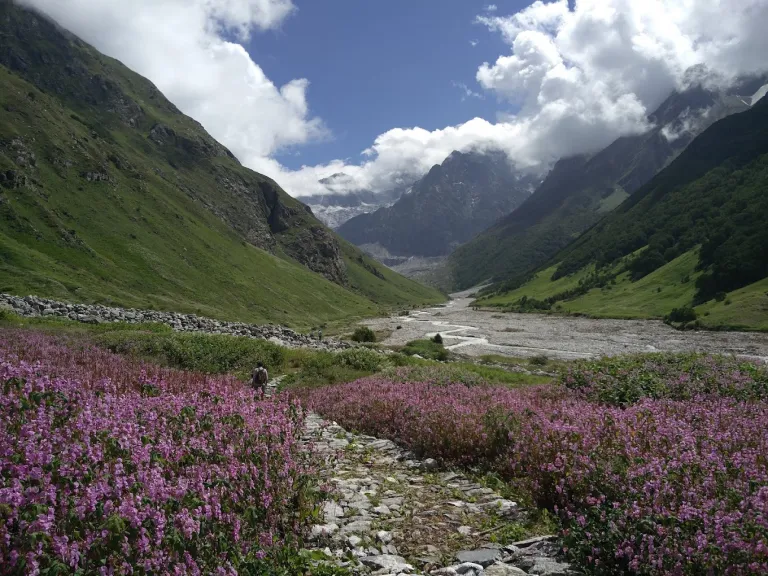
x=259, y=379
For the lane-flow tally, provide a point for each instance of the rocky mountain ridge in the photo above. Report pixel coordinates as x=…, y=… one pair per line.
x=453, y=202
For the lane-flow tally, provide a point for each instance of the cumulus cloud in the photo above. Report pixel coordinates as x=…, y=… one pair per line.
x=578, y=78
x=572, y=80
x=181, y=46
x=596, y=72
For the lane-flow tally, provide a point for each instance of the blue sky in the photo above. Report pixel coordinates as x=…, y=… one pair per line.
x=378, y=65
x=383, y=76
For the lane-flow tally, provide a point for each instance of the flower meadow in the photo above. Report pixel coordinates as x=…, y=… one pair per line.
x=111, y=466
x=674, y=482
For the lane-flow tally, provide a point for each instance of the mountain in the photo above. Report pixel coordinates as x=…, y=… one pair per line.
x=579, y=191
x=336, y=207
x=694, y=235
x=456, y=200
x=108, y=193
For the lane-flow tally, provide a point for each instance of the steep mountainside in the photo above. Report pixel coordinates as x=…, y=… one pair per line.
x=109, y=193
x=694, y=235
x=335, y=208
x=456, y=200
x=580, y=191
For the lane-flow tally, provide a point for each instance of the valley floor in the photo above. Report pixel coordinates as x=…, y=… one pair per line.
x=484, y=332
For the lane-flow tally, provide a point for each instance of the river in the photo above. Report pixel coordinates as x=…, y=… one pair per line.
x=480, y=332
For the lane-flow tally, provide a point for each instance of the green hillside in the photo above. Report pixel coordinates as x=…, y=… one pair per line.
x=581, y=190
x=109, y=194
x=693, y=236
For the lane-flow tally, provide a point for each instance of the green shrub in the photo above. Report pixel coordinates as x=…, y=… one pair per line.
x=540, y=360
x=361, y=359
x=426, y=349
x=364, y=334
x=437, y=339
x=682, y=315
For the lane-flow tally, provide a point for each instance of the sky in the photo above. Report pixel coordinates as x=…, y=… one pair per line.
x=381, y=91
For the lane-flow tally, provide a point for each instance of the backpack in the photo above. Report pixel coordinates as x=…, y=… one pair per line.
x=260, y=377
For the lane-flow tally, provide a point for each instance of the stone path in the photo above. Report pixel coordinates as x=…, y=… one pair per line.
x=390, y=513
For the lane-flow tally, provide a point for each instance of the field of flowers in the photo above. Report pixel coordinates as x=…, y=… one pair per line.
x=111, y=466
x=668, y=477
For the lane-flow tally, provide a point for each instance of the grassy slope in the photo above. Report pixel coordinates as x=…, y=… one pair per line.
x=385, y=287
x=540, y=287
x=642, y=299
x=139, y=248
x=745, y=309
x=163, y=232
x=708, y=205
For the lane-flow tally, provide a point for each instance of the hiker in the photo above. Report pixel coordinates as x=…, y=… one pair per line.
x=259, y=379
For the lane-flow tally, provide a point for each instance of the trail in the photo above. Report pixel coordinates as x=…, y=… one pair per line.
x=392, y=513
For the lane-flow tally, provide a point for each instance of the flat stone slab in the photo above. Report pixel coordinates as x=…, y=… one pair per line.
x=484, y=556
x=389, y=562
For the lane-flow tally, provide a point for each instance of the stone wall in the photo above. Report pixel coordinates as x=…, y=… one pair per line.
x=33, y=306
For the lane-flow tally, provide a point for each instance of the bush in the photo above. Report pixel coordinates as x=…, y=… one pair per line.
x=720, y=296
x=682, y=315
x=361, y=359
x=426, y=349
x=540, y=360
x=437, y=339
x=364, y=334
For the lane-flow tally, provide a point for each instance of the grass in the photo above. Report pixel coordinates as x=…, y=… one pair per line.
x=540, y=286
x=748, y=309
x=643, y=299
x=654, y=296
x=163, y=232
x=500, y=376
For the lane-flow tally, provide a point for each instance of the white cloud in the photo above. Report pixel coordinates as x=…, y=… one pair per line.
x=580, y=78
x=179, y=45
x=466, y=91
x=474, y=43
x=491, y=8
x=576, y=78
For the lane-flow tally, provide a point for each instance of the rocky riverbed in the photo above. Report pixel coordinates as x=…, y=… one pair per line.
x=481, y=332
x=32, y=306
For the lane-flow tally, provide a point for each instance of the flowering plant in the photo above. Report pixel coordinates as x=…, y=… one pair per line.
x=114, y=467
